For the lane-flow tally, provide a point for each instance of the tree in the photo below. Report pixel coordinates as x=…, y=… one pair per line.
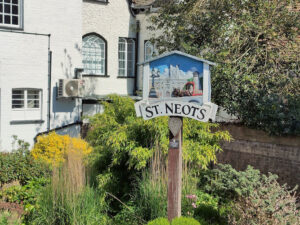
x=256, y=46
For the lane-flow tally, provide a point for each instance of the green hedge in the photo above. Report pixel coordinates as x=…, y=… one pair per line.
x=21, y=166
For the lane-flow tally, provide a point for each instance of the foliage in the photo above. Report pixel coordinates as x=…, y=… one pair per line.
x=7, y=218
x=209, y=210
x=200, y=143
x=124, y=144
x=269, y=203
x=52, y=148
x=176, y=221
x=256, y=48
x=184, y=220
x=227, y=183
x=87, y=208
x=67, y=200
x=151, y=196
x=258, y=198
x=19, y=165
x=25, y=195
x=159, y=221
x=128, y=216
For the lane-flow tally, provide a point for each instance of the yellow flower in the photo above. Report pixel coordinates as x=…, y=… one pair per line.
x=53, y=148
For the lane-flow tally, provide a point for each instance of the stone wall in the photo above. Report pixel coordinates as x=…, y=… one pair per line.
x=279, y=155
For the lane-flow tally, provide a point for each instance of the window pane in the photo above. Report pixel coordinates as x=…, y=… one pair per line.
x=1, y=8
x=33, y=104
x=17, y=99
x=1, y=20
x=15, y=1
x=8, y=1
x=15, y=9
x=15, y=20
x=130, y=57
x=7, y=8
x=7, y=19
x=17, y=104
x=18, y=94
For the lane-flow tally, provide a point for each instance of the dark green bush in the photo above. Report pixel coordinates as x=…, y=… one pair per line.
x=19, y=165
x=228, y=184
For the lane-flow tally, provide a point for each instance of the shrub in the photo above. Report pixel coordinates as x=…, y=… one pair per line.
x=176, y=221
x=258, y=198
x=268, y=203
x=25, y=195
x=19, y=165
x=208, y=209
x=184, y=221
x=227, y=183
x=159, y=221
x=52, y=148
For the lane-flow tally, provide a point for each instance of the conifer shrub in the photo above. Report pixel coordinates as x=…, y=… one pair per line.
x=53, y=148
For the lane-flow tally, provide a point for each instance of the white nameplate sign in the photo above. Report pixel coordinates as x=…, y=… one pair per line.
x=176, y=108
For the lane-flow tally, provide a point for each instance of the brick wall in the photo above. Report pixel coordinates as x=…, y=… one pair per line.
x=279, y=155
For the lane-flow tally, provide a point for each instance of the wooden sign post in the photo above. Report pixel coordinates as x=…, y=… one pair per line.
x=176, y=85
x=175, y=167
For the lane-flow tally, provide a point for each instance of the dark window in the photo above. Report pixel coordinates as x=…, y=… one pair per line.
x=11, y=13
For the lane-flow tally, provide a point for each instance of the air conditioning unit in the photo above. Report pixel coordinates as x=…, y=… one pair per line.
x=70, y=88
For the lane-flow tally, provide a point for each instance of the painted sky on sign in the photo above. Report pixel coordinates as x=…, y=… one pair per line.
x=184, y=63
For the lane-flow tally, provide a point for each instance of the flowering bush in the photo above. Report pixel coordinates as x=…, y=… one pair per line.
x=53, y=148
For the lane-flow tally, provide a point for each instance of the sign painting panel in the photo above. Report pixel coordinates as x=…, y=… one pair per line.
x=176, y=78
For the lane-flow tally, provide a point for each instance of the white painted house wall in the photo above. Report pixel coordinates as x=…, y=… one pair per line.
x=110, y=20
x=24, y=64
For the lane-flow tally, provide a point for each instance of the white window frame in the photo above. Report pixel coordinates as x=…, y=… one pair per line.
x=25, y=99
x=20, y=15
x=127, y=40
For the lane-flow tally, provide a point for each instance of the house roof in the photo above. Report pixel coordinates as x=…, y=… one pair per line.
x=178, y=53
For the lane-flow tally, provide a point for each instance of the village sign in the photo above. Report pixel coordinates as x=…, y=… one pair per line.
x=177, y=85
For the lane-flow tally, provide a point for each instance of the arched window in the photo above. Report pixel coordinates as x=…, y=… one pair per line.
x=126, y=57
x=149, y=50
x=94, y=55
